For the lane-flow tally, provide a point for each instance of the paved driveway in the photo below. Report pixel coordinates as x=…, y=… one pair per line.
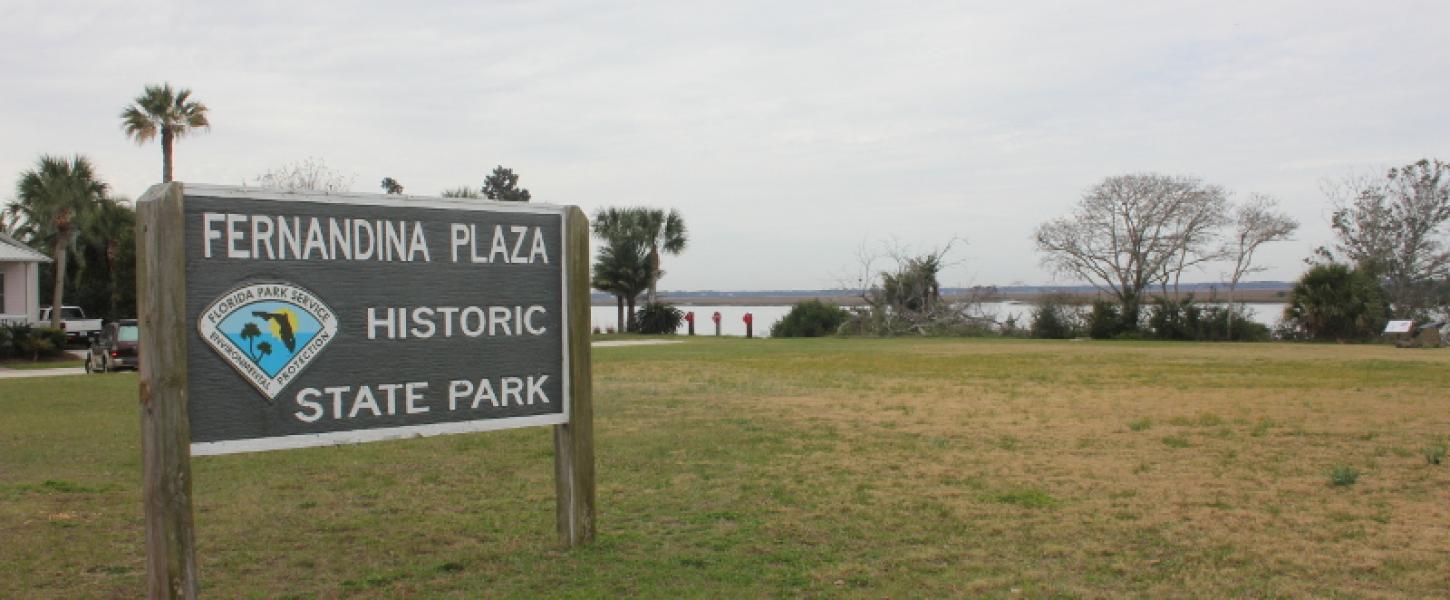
x=25, y=373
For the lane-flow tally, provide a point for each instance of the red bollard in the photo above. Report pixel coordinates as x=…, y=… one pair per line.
x=690, y=318
x=749, y=325
x=716, y=319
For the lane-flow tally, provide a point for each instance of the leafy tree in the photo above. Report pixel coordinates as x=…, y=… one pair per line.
x=1336, y=302
x=811, y=318
x=461, y=192
x=53, y=200
x=251, y=332
x=907, y=298
x=914, y=288
x=159, y=110
x=391, y=186
x=503, y=185
x=1395, y=229
x=1132, y=231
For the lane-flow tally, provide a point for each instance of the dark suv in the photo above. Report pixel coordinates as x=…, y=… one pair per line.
x=115, y=348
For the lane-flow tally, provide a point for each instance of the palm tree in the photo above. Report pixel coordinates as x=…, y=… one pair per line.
x=1339, y=303
x=622, y=269
x=106, y=257
x=661, y=231
x=160, y=110
x=251, y=332
x=53, y=200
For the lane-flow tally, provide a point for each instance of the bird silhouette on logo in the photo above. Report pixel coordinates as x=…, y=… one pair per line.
x=284, y=327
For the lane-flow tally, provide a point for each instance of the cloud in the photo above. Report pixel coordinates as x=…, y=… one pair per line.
x=786, y=133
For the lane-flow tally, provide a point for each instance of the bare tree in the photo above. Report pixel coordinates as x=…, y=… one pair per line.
x=1255, y=222
x=1132, y=231
x=311, y=174
x=1396, y=228
x=1200, y=221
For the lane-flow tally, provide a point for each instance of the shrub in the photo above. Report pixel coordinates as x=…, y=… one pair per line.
x=1170, y=320
x=1336, y=303
x=1184, y=320
x=7, y=341
x=1055, y=318
x=35, y=342
x=659, y=318
x=1342, y=475
x=1140, y=424
x=1011, y=328
x=1105, y=322
x=811, y=318
x=1435, y=454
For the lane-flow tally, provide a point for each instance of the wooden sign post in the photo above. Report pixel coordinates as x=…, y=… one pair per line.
x=273, y=321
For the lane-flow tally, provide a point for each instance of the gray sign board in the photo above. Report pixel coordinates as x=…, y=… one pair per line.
x=323, y=319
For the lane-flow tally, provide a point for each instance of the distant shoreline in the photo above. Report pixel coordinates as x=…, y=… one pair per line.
x=1258, y=293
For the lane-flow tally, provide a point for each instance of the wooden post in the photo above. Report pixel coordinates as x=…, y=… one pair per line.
x=574, y=441
x=165, y=428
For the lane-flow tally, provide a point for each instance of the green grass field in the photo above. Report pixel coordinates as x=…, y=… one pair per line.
x=815, y=468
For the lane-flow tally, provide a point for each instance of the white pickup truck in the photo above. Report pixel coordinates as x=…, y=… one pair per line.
x=73, y=320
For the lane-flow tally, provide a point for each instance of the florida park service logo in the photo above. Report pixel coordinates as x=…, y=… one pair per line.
x=268, y=332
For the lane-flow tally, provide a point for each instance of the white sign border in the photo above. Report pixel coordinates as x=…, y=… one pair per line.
x=357, y=436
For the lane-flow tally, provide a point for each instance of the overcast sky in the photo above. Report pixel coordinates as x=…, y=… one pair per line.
x=786, y=133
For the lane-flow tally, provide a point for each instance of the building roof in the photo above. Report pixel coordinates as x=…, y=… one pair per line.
x=11, y=250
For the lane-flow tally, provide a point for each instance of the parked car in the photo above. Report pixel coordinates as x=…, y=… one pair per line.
x=73, y=320
x=116, y=348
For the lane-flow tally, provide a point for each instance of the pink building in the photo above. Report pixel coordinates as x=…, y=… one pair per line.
x=19, y=281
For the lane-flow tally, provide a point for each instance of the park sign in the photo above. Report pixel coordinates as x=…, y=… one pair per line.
x=274, y=320
x=335, y=319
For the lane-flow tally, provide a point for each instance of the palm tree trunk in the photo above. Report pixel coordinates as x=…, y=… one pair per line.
x=619, y=325
x=654, y=271
x=631, y=322
x=58, y=290
x=167, y=139
x=115, y=296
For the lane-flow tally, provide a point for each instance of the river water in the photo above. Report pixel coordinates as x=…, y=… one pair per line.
x=732, y=323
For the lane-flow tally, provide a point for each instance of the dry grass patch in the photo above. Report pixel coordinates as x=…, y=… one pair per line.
x=870, y=468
